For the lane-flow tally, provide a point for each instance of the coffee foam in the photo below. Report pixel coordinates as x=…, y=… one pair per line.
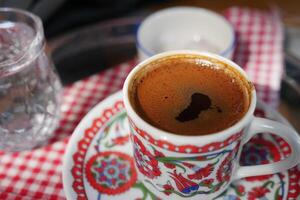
x=201, y=61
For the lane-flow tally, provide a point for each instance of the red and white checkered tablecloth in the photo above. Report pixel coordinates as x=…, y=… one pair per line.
x=36, y=174
x=259, y=49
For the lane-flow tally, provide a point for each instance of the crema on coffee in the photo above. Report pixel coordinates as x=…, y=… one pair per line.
x=190, y=95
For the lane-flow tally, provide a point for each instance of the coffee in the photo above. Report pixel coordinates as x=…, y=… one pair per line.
x=190, y=95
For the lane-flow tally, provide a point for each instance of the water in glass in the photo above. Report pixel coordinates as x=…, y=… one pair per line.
x=29, y=85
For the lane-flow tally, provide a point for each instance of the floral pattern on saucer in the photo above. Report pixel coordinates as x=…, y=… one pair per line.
x=111, y=172
x=100, y=165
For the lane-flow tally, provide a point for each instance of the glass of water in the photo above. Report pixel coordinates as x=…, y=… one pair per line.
x=29, y=85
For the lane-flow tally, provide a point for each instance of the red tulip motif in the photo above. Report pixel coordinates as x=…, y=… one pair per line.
x=202, y=172
x=183, y=184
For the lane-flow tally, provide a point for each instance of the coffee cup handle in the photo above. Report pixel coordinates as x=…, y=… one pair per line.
x=260, y=125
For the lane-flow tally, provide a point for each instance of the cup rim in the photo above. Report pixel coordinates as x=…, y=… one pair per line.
x=183, y=139
x=35, y=42
x=150, y=53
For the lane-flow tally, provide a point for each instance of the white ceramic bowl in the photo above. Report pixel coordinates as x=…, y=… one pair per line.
x=185, y=28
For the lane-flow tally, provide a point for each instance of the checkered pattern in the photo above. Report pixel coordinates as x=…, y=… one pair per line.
x=259, y=49
x=36, y=174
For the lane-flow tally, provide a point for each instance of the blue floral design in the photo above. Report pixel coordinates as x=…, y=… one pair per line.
x=111, y=172
x=254, y=155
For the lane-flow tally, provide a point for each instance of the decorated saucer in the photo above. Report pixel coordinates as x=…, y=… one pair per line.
x=99, y=163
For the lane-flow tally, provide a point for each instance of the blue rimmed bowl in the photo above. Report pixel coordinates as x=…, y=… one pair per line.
x=185, y=28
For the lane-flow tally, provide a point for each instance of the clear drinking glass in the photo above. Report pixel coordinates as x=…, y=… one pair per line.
x=29, y=85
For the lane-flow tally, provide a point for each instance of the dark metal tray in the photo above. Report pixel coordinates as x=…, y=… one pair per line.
x=92, y=49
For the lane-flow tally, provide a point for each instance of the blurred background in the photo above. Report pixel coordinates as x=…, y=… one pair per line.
x=60, y=16
x=97, y=34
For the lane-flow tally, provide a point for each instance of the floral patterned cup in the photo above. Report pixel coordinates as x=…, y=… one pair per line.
x=199, y=167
